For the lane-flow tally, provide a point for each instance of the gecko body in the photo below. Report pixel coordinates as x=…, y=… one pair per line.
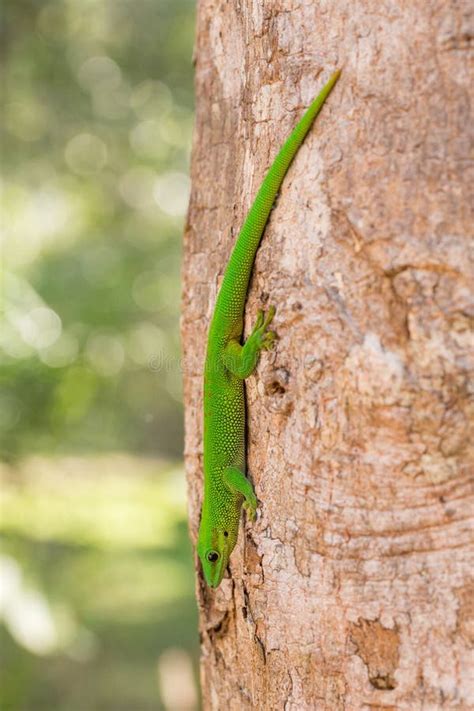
x=228, y=362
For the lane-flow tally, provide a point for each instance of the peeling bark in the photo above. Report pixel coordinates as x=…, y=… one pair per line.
x=354, y=588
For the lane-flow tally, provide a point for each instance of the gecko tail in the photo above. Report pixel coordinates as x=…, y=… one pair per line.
x=241, y=260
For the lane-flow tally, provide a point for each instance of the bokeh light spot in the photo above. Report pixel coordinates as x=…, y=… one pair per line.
x=146, y=140
x=136, y=187
x=99, y=73
x=145, y=343
x=25, y=611
x=176, y=680
x=151, y=99
x=105, y=353
x=40, y=328
x=39, y=219
x=86, y=154
x=171, y=193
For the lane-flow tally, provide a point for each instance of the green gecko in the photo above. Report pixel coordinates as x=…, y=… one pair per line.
x=228, y=363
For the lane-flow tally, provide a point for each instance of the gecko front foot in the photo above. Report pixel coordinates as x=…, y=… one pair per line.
x=239, y=484
x=262, y=338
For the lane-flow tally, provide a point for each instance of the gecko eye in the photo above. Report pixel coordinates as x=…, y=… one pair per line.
x=212, y=556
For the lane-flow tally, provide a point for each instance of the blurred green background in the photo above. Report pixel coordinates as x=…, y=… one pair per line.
x=97, y=606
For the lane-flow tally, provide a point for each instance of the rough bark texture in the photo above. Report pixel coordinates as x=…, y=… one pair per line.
x=352, y=590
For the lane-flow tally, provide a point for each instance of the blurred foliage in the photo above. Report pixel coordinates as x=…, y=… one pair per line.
x=95, y=147
x=97, y=584
x=96, y=562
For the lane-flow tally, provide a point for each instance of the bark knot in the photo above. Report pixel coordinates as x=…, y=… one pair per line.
x=378, y=647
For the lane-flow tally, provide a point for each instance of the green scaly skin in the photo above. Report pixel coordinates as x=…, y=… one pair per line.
x=228, y=363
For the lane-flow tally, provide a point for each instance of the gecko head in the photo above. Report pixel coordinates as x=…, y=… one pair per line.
x=214, y=549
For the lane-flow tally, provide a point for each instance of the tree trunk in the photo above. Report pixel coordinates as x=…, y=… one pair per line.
x=352, y=590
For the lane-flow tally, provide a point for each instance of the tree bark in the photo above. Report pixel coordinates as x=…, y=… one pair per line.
x=352, y=590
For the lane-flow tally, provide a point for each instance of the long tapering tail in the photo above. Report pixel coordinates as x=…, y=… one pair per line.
x=240, y=264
